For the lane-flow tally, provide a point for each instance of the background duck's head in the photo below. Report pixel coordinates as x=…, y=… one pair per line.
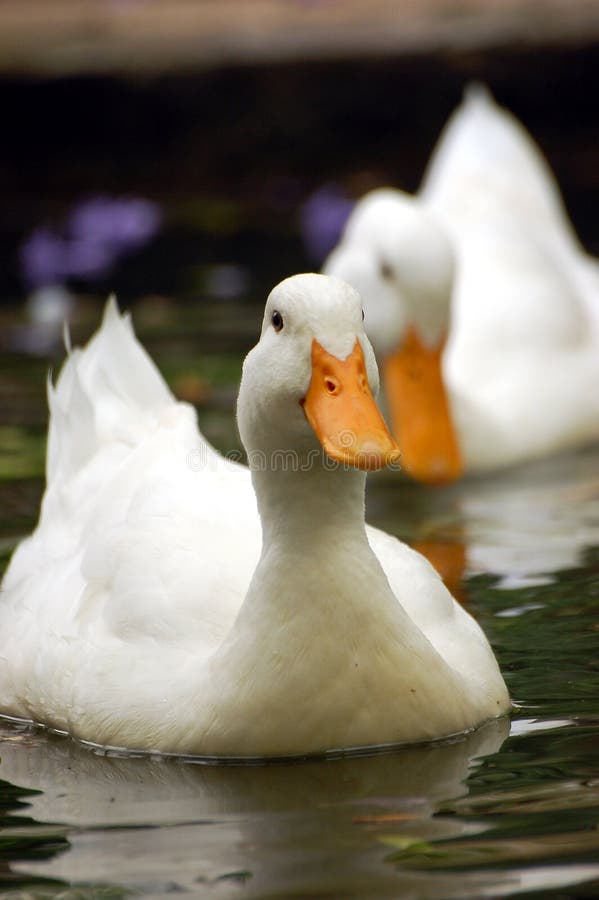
x=310, y=381
x=401, y=261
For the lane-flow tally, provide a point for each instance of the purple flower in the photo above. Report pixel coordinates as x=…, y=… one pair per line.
x=122, y=224
x=322, y=218
x=88, y=259
x=43, y=258
x=98, y=232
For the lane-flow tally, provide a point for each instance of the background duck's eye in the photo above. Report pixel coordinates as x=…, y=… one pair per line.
x=386, y=271
x=362, y=315
x=277, y=320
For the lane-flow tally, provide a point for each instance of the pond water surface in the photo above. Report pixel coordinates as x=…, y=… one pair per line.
x=511, y=810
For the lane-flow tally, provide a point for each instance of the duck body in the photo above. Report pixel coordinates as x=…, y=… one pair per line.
x=147, y=612
x=522, y=318
x=524, y=340
x=520, y=365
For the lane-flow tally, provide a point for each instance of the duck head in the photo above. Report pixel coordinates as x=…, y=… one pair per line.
x=400, y=260
x=309, y=383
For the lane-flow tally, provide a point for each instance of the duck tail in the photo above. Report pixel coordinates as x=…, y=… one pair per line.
x=478, y=96
x=105, y=392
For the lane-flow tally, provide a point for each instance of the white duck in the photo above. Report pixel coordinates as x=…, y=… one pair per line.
x=131, y=617
x=512, y=334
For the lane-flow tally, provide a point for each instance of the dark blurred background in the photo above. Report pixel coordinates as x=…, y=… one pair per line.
x=228, y=116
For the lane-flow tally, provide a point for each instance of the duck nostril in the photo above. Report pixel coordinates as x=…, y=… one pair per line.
x=330, y=385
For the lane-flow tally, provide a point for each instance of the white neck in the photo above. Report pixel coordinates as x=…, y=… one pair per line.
x=317, y=572
x=316, y=564
x=304, y=501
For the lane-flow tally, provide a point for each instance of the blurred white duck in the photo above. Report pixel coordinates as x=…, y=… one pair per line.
x=131, y=617
x=520, y=356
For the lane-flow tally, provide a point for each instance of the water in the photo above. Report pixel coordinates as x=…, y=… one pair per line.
x=508, y=811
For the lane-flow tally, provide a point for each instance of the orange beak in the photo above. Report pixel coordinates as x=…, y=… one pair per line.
x=420, y=413
x=340, y=408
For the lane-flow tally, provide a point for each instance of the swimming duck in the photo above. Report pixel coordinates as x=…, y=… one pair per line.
x=480, y=302
x=131, y=616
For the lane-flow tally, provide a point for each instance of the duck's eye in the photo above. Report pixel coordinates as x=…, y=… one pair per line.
x=386, y=271
x=277, y=320
x=362, y=315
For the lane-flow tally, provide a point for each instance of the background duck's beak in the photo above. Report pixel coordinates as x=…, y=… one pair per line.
x=342, y=411
x=419, y=410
